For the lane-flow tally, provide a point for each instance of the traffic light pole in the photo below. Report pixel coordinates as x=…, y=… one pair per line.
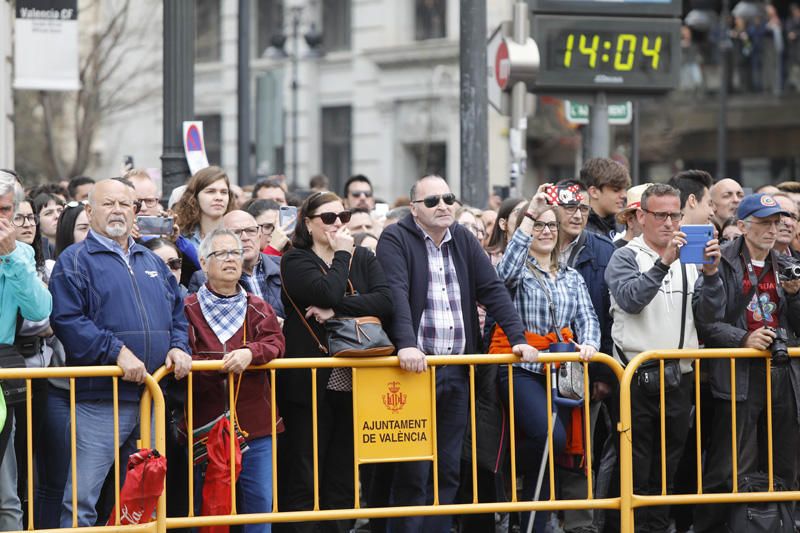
x=598, y=122
x=519, y=116
x=474, y=104
x=178, y=90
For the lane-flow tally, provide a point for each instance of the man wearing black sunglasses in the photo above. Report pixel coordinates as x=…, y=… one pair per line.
x=437, y=271
x=358, y=193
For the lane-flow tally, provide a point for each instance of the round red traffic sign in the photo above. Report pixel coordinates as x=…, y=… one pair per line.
x=502, y=65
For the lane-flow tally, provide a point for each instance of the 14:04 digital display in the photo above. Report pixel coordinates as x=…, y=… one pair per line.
x=609, y=51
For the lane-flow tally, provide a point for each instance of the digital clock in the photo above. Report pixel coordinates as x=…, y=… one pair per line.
x=606, y=53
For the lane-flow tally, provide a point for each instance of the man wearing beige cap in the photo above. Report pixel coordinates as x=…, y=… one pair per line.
x=628, y=215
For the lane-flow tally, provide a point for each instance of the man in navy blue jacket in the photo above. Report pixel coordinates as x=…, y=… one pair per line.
x=114, y=303
x=438, y=271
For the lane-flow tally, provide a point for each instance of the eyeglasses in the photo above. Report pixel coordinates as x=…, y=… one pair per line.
x=330, y=218
x=478, y=231
x=538, y=227
x=364, y=194
x=20, y=220
x=570, y=209
x=150, y=202
x=174, y=264
x=433, y=200
x=75, y=203
x=766, y=223
x=661, y=216
x=267, y=227
x=252, y=231
x=224, y=255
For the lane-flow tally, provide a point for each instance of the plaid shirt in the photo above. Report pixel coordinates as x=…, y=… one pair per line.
x=441, y=328
x=254, y=283
x=573, y=307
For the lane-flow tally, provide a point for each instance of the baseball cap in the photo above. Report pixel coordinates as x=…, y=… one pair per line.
x=758, y=205
x=633, y=200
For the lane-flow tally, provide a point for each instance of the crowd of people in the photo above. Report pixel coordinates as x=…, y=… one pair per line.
x=764, y=52
x=590, y=261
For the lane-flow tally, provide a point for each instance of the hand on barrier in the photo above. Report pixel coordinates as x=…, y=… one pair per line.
x=528, y=353
x=132, y=367
x=412, y=360
x=237, y=360
x=586, y=351
x=181, y=361
x=760, y=339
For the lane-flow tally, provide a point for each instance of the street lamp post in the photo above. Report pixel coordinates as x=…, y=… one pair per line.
x=725, y=47
x=277, y=50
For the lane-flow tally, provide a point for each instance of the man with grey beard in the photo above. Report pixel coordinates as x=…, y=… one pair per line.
x=115, y=303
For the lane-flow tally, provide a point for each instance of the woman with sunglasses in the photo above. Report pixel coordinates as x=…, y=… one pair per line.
x=315, y=274
x=169, y=253
x=531, y=270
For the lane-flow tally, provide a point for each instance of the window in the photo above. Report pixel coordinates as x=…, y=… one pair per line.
x=269, y=22
x=336, y=144
x=429, y=19
x=336, y=24
x=429, y=158
x=212, y=134
x=207, y=41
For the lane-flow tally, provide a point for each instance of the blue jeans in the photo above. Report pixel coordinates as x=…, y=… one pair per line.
x=94, y=421
x=413, y=483
x=52, y=460
x=254, y=484
x=530, y=419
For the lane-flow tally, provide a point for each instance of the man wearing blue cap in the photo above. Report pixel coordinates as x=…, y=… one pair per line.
x=752, y=307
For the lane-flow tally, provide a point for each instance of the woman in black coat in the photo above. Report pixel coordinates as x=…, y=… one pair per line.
x=315, y=276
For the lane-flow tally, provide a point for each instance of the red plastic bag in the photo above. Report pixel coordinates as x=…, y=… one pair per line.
x=144, y=483
x=217, y=484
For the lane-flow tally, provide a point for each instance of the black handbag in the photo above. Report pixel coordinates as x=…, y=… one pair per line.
x=13, y=389
x=360, y=336
x=760, y=517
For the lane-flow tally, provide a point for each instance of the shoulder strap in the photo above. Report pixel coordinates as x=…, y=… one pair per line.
x=302, y=317
x=550, y=304
x=683, y=304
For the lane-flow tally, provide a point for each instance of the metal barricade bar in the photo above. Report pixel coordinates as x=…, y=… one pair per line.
x=630, y=500
x=29, y=375
x=469, y=361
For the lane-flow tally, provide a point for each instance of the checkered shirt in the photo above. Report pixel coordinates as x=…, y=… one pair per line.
x=255, y=282
x=573, y=306
x=441, y=328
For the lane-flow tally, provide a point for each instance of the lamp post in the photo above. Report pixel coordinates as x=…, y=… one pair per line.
x=725, y=46
x=277, y=50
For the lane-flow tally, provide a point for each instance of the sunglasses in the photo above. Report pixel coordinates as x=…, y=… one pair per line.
x=330, y=218
x=75, y=203
x=433, y=200
x=174, y=264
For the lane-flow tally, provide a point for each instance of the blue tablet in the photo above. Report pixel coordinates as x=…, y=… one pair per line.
x=697, y=236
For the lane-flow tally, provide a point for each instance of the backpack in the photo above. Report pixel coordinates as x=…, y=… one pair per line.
x=758, y=517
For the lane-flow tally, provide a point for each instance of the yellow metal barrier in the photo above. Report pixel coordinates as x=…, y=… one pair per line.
x=356, y=512
x=631, y=501
x=154, y=396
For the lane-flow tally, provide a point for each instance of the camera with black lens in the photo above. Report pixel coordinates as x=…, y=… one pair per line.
x=788, y=268
x=779, y=347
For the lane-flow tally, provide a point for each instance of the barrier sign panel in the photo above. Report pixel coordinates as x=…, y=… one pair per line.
x=392, y=415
